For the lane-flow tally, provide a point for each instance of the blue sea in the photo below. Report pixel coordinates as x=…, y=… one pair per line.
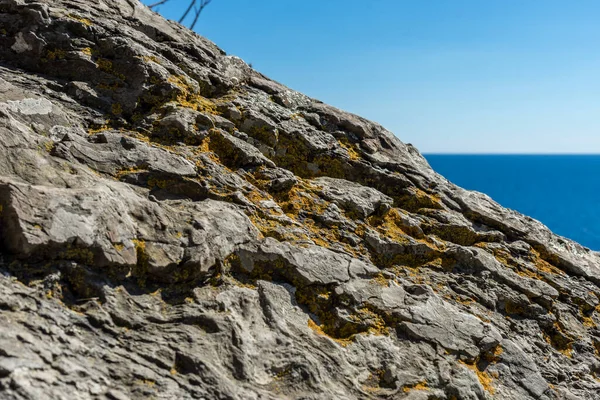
x=561, y=191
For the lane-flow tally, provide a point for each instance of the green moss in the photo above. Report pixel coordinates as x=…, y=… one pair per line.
x=154, y=183
x=56, y=54
x=106, y=65
x=117, y=109
x=79, y=254
x=140, y=270
x=265, y=134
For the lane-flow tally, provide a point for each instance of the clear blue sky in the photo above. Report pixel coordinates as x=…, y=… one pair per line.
x=449, y=76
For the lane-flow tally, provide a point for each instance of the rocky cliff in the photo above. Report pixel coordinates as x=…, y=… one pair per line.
x=175, y=225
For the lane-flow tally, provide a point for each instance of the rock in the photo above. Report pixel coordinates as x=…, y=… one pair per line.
x=116, y=154
x=312, y=265
x=176, y=225
x=429, y=318
x=360, y=200
x=237, y=153
x=277, y=179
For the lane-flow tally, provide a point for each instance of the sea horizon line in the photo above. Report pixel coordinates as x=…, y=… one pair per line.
x=507, y=154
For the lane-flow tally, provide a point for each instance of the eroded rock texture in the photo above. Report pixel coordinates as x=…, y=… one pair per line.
x=175, y=225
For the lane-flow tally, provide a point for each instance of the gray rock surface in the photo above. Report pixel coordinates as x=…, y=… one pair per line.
x=175, y=225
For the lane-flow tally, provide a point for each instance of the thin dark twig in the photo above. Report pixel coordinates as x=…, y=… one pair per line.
x=203, y=4
x=158, y=3
x=192, y=4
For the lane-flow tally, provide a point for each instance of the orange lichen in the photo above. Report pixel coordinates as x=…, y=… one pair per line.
x=301, y=198
x=418, y=198
x=149, y=59
x=390, y=225
x=377, y=325
x=205, y=147
x=84, y=21
x=483, y=376
x=301, y=206
x=101, y=128
x=131, y=170
x=118, y=246
x=189, y=98
x=351, y=148
x=417, y=386
x=159, y=183
x=597, y=348
x=319, y=331
x=559, y=339
x=57, y=54
x=381, y=280
x=79, y=254
x=544, y=265
x=493, y=356
x=588, y=321
x=106, y=65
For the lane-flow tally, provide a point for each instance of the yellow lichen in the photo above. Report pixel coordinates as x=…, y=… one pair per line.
x=544, y=265
x=418, y=198
x=79, y=254
x=205, y=147
x=493, y=356
x=117, y=109
x=319, y=331
x=377, y=325
x=107, y=66
x=84, y=21
x=57, y=54
x=484, y=377
x=596, y=348
x=149, y=59
x=351, y=148
x=87, y=51
x=381, y=280
x=104, y=64
x=189, y=98
x=559, y=339
x=588, y=321
x=390, y=225
x=141, y=266
x=49, y=146
x=417, y=386
x=131, y=170
x=154, y=182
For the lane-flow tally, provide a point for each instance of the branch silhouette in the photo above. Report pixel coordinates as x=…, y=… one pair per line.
x=196, y=5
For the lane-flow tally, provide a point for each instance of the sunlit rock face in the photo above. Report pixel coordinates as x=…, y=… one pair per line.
x=175, y=225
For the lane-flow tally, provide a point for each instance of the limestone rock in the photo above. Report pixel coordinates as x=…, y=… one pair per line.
x=176, y=225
